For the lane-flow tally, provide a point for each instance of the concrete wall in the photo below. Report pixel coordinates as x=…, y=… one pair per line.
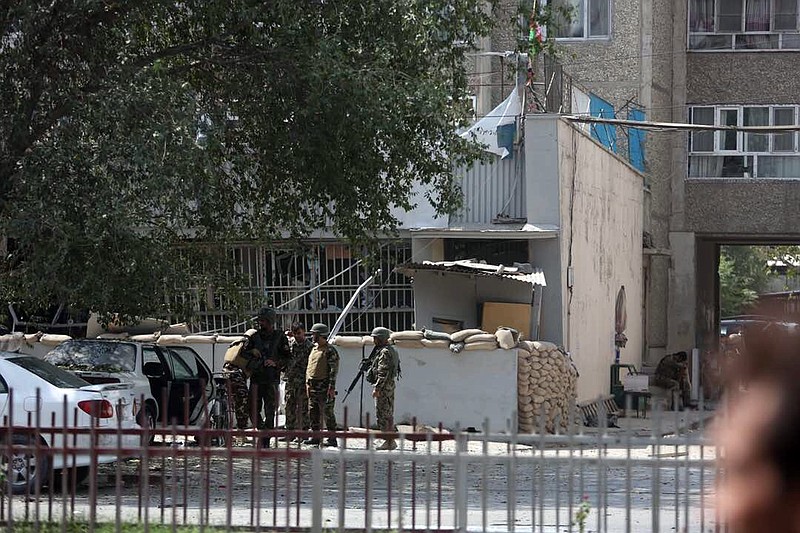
x=439, y=386
x=743, y=78
x=731, y=207
x=458, y=296
x=601, y=207
x=600, y=214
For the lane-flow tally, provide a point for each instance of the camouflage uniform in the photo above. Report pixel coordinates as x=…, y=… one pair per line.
x=295, y=375
x=383, y=376
x=265, y=379
x=319, y=378
x=236, y=380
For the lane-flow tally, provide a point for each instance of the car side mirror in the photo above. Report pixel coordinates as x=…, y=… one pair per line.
x=153, y=369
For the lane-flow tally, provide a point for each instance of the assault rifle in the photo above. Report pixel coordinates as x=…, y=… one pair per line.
x=362, y=368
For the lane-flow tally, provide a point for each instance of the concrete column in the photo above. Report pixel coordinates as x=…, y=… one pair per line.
x=707, y=275
x=683, y=292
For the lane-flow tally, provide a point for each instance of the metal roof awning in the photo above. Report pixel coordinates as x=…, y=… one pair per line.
x=522, y=272
x=490, y=231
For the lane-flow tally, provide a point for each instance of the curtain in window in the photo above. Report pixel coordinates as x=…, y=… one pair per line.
x=778, y=167
x=573, y=25
x=701, y=15
x=757, y=15
x=705, y=166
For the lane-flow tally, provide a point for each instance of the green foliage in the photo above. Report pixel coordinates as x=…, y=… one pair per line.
x=130, y=128
x=543, y=20
x=582, y=514
x=743, y=274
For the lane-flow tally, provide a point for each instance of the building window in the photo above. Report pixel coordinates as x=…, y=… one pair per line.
x=589, y=19
x=731, y=153
x=744, y=25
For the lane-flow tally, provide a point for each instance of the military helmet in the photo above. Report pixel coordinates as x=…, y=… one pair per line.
x=267, y=313
x=381, y=333
x=319, y=328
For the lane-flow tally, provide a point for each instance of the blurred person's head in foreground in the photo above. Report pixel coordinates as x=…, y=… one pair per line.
x=759, y=438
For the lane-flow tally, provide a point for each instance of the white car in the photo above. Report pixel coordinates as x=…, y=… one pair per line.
x=39, y=405
x=171, y=384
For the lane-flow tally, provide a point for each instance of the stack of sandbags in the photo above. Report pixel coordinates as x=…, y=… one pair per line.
x=546, y=386
x=480, y=341
x=408, y=339
x=436, y=339
x=343, y=341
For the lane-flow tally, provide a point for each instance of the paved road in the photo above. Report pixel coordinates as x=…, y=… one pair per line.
x=529, y=490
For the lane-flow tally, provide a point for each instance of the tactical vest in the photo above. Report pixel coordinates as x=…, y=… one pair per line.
x=317, y=363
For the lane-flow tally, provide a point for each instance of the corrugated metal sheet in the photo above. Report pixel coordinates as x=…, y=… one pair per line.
x=492, y=188
x=534, y=276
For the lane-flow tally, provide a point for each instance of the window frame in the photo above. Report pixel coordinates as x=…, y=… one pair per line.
x=750, y=157
x=785, y=39
x=587, y=22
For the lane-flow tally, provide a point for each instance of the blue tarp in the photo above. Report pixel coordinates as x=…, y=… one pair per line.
x=636, y=142
x=606, y=134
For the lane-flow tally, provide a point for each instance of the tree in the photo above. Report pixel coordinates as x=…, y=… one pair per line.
x=744, y=273
x=129, y=129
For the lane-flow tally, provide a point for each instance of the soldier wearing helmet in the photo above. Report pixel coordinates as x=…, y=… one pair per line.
x=323, y=366
x=382, y=374
x=272, y=347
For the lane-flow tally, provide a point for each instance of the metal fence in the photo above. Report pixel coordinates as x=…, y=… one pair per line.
x=593, y=479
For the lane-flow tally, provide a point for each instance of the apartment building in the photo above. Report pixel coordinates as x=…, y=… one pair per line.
x=726, y=62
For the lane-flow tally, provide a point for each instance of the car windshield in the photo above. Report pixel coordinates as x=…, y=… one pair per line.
x=51, y=374
x=94, y=356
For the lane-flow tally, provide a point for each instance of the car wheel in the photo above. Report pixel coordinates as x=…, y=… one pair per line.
x=147, y=419
x=70, y=477
x=24, y=471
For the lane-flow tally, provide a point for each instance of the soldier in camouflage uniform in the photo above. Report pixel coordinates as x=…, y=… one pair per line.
x=295, y=376
x=273, y=347
x=240, y=361
x=323, y=366
x=382, y=374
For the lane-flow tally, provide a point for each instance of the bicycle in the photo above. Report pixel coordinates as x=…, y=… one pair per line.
x=220, y=410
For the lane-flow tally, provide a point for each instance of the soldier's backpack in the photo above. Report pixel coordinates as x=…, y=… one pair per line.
x=239, y=353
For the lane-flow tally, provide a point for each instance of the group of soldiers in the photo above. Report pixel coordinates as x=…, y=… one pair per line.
x=310, y=368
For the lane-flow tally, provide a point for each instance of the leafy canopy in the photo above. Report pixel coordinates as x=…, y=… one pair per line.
x=130, y=127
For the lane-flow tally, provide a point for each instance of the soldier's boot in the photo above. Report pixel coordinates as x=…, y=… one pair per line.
x=285, y=438
x=312, y=441
x=265, y=442
x=388, y=444
x=331, y=442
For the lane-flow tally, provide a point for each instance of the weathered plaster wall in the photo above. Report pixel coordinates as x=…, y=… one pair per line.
x=601, y=209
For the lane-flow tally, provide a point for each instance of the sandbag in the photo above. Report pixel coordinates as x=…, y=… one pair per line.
x=347, y=342
x=228, y=339
x=460, y=336
x=367, y=340
x=541, y=346
x=407, y=336
x=413, y=344
x=507, y=338
x=437, y=335
x=49, y=339
x=30, y=338
x=480, y=337
x=436, y=344
x=201, y=339
x=475, y=346
x=124, y=335
x=167, y=340
x=149, y=337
